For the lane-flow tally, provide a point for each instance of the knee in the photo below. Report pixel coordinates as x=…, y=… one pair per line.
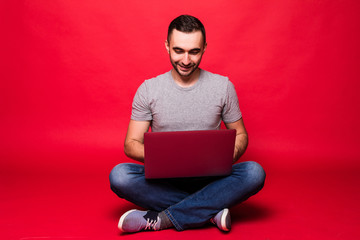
x=255, y=175
x=120, y=177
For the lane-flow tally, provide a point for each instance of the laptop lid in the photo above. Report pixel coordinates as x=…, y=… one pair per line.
x=189, y=153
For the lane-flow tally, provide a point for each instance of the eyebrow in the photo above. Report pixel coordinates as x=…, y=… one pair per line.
x=194, y=49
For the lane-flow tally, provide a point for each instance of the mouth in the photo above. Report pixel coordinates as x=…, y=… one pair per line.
x=185, y=68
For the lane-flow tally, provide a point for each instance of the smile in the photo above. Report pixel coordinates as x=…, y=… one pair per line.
x=183, y=68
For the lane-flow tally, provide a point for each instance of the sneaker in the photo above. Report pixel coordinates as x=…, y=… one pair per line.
x=136, y=220
x=222, y=220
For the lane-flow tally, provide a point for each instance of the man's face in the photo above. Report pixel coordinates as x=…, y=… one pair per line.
x=185, y=50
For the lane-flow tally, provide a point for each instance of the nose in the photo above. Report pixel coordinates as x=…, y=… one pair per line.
x=186, y=59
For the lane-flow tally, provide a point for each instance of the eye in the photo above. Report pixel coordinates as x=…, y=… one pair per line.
x=178, y=50
x=194, y=52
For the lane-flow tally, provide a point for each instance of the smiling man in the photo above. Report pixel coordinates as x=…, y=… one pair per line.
x=184, y=99
x=185, y=51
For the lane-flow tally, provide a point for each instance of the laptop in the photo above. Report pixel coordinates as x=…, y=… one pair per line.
x=183, y=154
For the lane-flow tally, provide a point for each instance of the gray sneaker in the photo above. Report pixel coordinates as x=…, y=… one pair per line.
x=222, y=220
x=136, y=220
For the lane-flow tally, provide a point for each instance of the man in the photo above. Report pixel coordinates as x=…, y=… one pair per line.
x=186, y=98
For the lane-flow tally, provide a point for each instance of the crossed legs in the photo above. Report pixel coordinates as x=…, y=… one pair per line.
x=188, y=203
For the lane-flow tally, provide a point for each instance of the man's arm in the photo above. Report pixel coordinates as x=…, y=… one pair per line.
x=134, y=141
x=241, y=140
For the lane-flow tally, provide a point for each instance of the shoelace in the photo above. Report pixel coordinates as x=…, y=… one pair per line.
x=150, y=224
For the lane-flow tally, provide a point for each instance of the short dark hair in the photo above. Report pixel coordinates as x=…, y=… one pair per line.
x=187, y=24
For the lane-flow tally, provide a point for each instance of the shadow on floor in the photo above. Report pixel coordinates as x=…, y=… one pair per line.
x=250, y=211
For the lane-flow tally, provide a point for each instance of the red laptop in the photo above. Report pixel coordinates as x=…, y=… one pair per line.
x=189, y=153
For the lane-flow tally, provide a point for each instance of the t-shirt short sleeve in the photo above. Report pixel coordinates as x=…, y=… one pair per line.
x=141, y=108
x=231, y=111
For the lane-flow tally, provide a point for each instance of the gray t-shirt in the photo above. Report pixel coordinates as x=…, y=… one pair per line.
x=202, y=106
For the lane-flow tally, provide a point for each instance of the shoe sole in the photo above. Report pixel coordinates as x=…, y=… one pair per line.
x=122, y=218
x=224, y=216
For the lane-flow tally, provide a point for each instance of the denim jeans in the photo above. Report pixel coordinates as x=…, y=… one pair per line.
x=188, y=202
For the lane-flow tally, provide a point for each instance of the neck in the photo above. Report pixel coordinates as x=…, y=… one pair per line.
x=186, y=81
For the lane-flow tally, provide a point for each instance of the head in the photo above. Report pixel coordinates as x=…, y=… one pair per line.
x=186, y=43
x=186, y=24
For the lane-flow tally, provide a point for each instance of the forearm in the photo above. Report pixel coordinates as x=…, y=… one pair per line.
x=241, y=143
x=134, y=141
x=241, y=140
x=134, y=149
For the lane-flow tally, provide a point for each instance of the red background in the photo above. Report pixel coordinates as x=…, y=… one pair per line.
x=69, y=70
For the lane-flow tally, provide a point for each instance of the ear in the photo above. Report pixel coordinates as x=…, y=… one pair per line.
x=167, y=46
x=205, y=45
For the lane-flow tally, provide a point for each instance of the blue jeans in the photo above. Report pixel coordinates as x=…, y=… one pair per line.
x=188, y=202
